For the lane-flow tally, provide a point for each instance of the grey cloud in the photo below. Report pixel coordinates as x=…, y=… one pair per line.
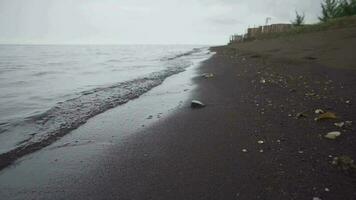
x=141, y=21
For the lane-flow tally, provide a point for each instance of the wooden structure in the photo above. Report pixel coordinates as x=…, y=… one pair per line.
x=253, y=33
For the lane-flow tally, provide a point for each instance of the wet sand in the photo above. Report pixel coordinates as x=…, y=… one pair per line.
x=216, y=152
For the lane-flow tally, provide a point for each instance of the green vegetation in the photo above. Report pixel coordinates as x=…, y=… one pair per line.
x=337, y=23
x=332, y=9
x=299, y=19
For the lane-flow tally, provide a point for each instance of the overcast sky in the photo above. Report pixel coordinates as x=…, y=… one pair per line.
x=141, y=21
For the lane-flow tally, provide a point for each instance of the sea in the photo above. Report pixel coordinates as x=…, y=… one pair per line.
x=48, y=90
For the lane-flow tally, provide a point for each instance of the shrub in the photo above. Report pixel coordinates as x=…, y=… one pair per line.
x=299, y=19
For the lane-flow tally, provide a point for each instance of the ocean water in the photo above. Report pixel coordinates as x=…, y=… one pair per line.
x=48, y=90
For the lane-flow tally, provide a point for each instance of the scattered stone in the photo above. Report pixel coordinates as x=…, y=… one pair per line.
x=319, y=111
x=260, y=142
x=197, y=104
x=348, y=123
x=244, y=150
x=333, y=135
x=340, y=124
x=208, y=75
x=150, y=117
x=327, y=190
x=301, y=152
x=301, y=115
x=326, y=116
x=263, y=81
x=316, y=198
x=261, y=150
x=348, y=102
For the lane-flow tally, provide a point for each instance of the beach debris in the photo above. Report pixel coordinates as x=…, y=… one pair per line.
x=301, y=115
x=319, y=111
x=340, y=124
x=208, y=75
x=260, y=142
x=197, y=104
x=244, y=150
x=345, y=163
x=326, y=116
x=333, y=135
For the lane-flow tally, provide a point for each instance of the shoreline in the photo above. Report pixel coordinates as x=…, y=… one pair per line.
x=39, y=131
x=216, y=152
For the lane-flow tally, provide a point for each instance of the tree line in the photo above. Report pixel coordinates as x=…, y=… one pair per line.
x=331, y=9
x=337, y=8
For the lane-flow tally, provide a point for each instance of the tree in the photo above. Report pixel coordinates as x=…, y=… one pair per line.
x=337, y=8
x=329, y=10
x=347, y=8
x=299, y=19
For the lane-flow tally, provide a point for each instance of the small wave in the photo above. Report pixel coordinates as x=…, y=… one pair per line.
x=46, y=73
x=49, y=126
x=113, y=61
x=195, y=50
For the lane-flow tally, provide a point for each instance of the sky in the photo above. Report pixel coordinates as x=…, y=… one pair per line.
x=208, y=22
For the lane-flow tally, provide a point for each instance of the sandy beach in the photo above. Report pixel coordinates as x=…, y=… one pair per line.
x=257, y=138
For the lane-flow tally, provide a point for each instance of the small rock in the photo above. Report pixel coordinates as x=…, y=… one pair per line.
x=301, y=152
x=316, y=198
x=197, y=104
x=333, y=135
x=319, y=111
x=327, y=190
x=348, y=123
x=208, y=75
x=260, y=142
x=340, y=124
x=244, y=150
x=301, y=115
x=263, y=81
x=348, y=102
x=261, y=150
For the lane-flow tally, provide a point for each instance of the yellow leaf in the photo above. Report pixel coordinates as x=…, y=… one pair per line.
x=327, y=115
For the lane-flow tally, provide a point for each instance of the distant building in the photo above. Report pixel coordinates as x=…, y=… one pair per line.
x=276, y=28
x=236, y=38
x=253, y=33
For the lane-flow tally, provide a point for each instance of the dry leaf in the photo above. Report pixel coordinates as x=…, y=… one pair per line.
x=327, y=115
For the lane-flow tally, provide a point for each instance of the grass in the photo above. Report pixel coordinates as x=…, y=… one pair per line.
x=338, y=23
